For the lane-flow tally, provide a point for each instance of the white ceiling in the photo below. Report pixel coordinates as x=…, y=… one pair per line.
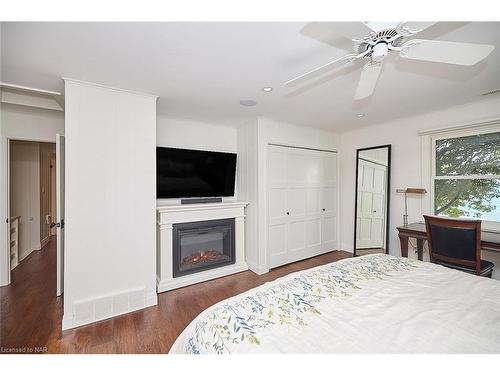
x=202, y=70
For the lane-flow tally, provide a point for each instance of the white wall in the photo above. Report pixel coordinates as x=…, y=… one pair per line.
x=22, y=123
x=25, y=194
x=407, y=167
x=253, y=140
x=34, y=124
x=110, y=204
x=181, y=133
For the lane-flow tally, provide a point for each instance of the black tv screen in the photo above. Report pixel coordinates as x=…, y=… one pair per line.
x=182, y=173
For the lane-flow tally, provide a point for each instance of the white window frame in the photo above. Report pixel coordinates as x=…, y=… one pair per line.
x=486, y=224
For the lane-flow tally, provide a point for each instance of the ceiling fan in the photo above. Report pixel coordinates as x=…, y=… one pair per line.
x=373, y=41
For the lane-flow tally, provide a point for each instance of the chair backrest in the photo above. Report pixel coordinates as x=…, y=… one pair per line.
x=454, y=241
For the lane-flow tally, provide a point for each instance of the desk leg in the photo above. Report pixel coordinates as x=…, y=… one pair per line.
x=404, y=245
x=420, y=248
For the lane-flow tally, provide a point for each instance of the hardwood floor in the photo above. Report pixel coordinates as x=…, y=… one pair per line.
x=31, y=313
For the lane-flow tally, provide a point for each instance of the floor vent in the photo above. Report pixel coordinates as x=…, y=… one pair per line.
x=105, y=307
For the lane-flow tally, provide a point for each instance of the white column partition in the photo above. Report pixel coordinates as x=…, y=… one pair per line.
x=110, y=200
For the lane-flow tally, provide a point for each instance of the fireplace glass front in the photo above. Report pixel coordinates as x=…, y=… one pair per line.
x=203, y=245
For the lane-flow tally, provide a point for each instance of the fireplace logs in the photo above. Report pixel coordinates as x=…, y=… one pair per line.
x=203, y=256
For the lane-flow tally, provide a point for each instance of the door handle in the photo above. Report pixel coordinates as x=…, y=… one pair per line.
x=60, y=224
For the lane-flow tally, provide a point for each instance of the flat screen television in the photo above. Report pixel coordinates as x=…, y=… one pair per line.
x=182, y=173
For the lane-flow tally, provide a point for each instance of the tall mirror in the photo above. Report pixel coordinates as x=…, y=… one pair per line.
x=371, y=224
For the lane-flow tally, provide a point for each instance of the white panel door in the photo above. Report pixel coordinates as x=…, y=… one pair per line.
x=277, y=206
x=371, y=205
x=329, y=201
x=301, y=203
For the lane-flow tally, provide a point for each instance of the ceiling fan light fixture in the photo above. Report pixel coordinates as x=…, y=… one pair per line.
x=379, y=52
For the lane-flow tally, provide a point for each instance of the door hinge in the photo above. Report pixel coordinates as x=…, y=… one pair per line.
x=60, y=224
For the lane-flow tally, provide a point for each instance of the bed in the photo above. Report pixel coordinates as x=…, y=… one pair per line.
x=370, y=304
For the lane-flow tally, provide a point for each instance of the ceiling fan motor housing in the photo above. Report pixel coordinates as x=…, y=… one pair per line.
x=379, y=52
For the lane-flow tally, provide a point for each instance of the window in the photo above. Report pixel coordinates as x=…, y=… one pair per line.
x=466, y=176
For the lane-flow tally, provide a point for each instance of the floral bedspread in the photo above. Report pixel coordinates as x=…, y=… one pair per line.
x=354, y=305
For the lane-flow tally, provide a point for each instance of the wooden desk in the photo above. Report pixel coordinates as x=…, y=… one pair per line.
x=489, y=240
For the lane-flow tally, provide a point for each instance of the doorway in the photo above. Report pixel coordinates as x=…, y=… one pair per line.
x=29, y=198
x=33, y=190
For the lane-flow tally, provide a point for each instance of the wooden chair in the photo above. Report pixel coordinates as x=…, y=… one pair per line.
x=457, y=244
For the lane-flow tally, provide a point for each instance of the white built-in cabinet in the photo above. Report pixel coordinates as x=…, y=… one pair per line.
x=302, y=210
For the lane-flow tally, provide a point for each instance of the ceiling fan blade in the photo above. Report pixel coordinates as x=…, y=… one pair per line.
x=411, y=28
x=368, y=80
x=337, y=34
x=445, y=52
x=322, y=69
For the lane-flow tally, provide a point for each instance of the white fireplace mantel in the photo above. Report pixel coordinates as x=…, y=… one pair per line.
x=167, y=216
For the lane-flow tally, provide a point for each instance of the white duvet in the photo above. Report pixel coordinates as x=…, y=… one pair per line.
x=370, y=304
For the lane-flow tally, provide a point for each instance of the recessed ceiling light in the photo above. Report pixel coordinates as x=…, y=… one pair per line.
x=248, y=103
x=360, y=115
x=267, y=89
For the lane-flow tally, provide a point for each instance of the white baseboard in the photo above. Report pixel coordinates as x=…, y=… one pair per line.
x=109, y=306
x=151, y=299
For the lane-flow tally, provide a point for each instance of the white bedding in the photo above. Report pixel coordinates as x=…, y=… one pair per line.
x=371, y=304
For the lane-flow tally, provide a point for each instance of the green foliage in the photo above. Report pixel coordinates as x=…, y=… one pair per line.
x=466, y=156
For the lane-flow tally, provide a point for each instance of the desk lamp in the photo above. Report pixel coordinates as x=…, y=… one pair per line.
x=407, y=191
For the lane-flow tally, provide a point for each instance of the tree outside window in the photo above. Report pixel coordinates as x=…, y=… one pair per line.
x=467, y=176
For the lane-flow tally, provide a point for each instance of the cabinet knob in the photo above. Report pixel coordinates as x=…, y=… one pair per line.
x=288, y=213
x=323, y=209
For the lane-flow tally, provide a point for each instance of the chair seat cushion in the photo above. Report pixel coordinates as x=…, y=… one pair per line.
x=486, y=267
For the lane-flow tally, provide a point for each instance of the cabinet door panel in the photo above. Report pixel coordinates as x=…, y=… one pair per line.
x=329, y=233
x=277, y=239
x=296, y=236
x=313, y=201
x=277, y=207
x=296, y=201
x=329, y=200
x=313, y=233
x=276, y=175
